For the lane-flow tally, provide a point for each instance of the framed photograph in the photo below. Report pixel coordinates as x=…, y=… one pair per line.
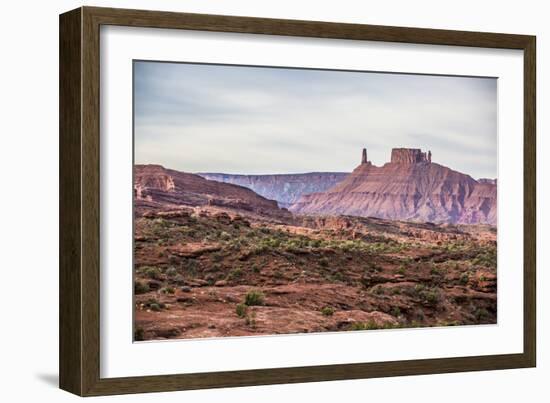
x=249, y=201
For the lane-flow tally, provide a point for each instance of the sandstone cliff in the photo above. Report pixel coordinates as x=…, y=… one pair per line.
x=286, y=189
x=410, y=187
x=161, y=188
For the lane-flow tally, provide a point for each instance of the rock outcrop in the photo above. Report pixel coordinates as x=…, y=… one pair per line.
x=286, y=189
x=156, y=187
x=411, y=188
x=409, y=156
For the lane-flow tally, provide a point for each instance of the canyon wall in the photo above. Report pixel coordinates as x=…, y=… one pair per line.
x=286, y=189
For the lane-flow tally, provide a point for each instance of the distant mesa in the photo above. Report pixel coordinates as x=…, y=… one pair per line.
x=285, y=189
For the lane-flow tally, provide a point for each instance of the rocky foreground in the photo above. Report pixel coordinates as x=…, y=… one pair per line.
x=211, y=271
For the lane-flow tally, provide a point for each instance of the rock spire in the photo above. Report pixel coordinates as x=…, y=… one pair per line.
x=364, y=156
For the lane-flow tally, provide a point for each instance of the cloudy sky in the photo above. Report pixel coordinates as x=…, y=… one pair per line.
x=233, y=119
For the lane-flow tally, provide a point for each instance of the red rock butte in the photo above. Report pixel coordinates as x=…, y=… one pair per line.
x=410, y=187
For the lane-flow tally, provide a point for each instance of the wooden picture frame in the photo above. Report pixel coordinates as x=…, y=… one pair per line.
x=79, y=201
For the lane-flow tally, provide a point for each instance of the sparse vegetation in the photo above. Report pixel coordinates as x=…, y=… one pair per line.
x=153, y=273
x=140, y=287
x=171, y=272
x=370, y=325
x=235, y=274
x=250, y=320
x=168, y=290
x=327, y=311
x=241, y=310
x=481, y=314
x=254, y=298
x=139, y=334
x=395, y=311
x=154, y=305
x=431, y=296
x=201, y=263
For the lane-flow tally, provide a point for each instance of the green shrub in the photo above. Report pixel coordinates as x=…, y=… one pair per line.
x=395, y=290
x=431, y=297
x=171, y=272
x=369, y=325
x=140, y=288
x=217, y=257
x=395, y=311
x=178, y=279
x=190, y=266
x=254, y=298
x=418, y=288
x=371, y=267
x=378, y=290
x=323, y=262
x=235, y=274
x=481, y=314
x=327, y=311
x=154, y=305
x=168, y=290
x=372, y=325
x=139, y=334
x=225, y=236
x=241, y=309
x=315, y=243
x=161, y=222
x=365, y=281
x=464, y=278
x=338, y=276
x=153, y=273
x=419, y=314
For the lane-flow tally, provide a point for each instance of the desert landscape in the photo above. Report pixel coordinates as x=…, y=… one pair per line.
x=410, y=243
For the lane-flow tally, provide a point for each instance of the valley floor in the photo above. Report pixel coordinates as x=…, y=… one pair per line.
x=206, y=272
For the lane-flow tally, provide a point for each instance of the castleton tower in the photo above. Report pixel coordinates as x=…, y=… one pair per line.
x=364, y=156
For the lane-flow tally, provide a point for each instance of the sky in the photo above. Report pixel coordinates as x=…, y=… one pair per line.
x=261, y=120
